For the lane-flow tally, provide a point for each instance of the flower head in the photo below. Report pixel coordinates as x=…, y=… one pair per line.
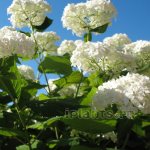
x=117, y=41
x=94, y=56
x=14, y=42
x=137, y=48
x=131, y=93
x=68, y=46
x=81, y=17
x=27, y=12
x=26, y=71
x=68, y=91
x=110, y=135
x=51, y=85
x=46, y=41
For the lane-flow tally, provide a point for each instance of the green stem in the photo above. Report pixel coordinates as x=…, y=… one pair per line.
x=36, y=43
x=78, y=87
x=88, y=37
x=126, y=141
x=45, y=76
x=56, y=133
x=17, y=110
x=46, y=81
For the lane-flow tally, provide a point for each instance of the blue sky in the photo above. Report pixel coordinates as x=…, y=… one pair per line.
x=133, y=19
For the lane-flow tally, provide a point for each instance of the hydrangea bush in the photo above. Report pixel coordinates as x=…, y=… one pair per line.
x=101, y=100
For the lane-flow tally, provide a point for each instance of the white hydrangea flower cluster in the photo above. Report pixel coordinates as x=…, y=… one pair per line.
x=110, y=135
x=27, y=72
x=52, y=85
x=138, y=48
x=141, y=51
x=68, y=46
x=68, y=91
x=47, y=41
x=131, y=93
x=117, y=42
x=91, y=14
x=91, y=56
x=14, y=42
x=27, y=12
x=87, y=56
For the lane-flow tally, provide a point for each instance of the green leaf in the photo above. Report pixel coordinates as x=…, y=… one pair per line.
x=9, y=75
x=45, y=124
x=7, y=118
x=112, y=148
x=88, y=37
x=37, y=145
x=52, y=107
x=23, y=147
x=28, y=92
x=64, y=142
x=26, y=33
x=56, y=64
x=88, y=99
x=61, y=82
x=73, y=78
x=100, y=29
x=90, y=125
x=12, y=87
x=12, y=133
x=70, y=141
x=47, y=22
x=6, y=64
x=10, y=79
x=95, y=79
x=34, y=85
x=145, y=123
x=83, y=148
x=18, y=85
x=52, y=144
x=138, y=130
x=42, y=97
